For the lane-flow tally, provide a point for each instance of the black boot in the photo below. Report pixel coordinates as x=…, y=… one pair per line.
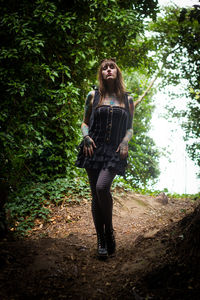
x=101, y=246
x=110, y=242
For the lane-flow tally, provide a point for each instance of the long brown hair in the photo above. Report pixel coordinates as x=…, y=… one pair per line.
x=119, y=87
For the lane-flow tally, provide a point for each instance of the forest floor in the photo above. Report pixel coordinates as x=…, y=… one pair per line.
x=58, y=259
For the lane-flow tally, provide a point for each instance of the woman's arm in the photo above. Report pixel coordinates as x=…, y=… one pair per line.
x=88, y=142
x=87, y=113
x=129, y=132
x=123, y=147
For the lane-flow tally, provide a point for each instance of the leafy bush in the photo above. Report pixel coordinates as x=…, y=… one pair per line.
x=35, y=200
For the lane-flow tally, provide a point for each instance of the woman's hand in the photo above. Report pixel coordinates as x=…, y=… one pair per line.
x=123, y=149
x=89, y=144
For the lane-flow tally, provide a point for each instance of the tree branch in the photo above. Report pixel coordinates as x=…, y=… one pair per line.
x=145, y=92
x=154, y=79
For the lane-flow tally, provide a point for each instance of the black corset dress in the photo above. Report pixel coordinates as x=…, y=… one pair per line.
x=107, y=127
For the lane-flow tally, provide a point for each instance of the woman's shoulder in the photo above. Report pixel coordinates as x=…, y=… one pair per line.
x=91, y=94
x=131, y=104
x=130, y=98
x=90, y=97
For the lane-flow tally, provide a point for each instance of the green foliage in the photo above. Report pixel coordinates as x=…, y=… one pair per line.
x=49, y=55
x=143, y=154
x=124, y=185
x=37, y=134
x=34, y=201
x=176, y=41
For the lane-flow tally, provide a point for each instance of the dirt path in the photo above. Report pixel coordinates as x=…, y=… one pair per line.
x=58, y=259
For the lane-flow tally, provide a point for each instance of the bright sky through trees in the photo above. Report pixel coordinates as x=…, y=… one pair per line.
x=180, y=3
x=179, y=174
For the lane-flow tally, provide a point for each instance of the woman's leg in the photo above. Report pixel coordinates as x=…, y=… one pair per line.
x=102, y=205
x=105, y=201
x=96, y=210
x=97, y=214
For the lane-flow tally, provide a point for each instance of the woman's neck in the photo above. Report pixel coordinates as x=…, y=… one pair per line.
x=110, y=89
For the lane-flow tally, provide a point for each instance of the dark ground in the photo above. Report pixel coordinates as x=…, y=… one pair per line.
x=58, y=259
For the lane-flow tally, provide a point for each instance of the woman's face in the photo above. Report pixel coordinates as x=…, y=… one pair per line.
x=109, y=70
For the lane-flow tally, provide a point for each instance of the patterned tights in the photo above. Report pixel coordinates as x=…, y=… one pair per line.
x=102, y=202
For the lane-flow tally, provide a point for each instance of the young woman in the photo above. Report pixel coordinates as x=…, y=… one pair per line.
x=107, y=129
